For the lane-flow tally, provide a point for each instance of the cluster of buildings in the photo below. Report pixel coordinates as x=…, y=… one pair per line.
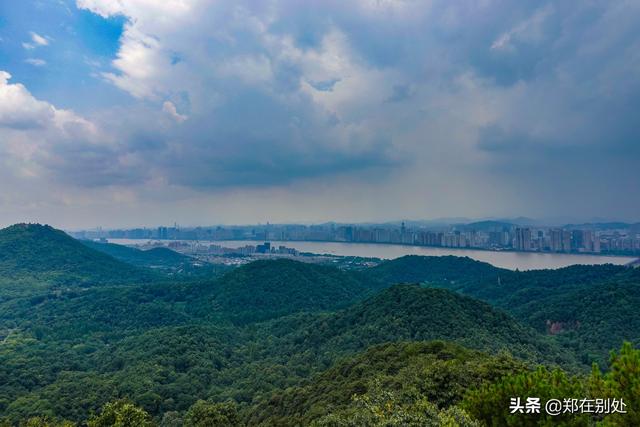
x=485, y=235
x=218, y=250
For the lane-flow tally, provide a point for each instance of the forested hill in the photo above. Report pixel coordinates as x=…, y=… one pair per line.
x=414, y=313
x=160, y=259
x=440, y=371
x=281, y=342
x=47, y=254
x=266, y=289
x=146, y=258
x=589, y=308
x=434, y=269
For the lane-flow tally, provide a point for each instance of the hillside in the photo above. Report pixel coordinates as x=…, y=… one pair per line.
x=440, y=371
x=147, y=258
x=571, y=303
x=266, y=289
x=258, y=291
x=160, y=259
x=263, y=334
x=430, y=269
x=410, y=312
x=46, y=254
x=591, y=309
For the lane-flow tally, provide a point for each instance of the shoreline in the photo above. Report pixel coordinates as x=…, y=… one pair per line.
x=513, y=260
x=506, y=250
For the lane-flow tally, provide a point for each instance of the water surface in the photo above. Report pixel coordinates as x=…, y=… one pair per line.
x=504, y=259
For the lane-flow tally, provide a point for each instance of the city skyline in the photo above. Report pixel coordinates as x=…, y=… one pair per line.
x=130, y=112
x=611, y=238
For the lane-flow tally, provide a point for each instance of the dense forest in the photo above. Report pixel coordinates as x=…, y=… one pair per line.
x=104, y=335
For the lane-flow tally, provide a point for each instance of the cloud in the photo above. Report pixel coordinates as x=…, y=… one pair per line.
x=36, y=41
x=40, y=141
x=18, y=109
x=37, y=62
x=530, y=30
x=39, y=40
x=169, y=108
x=437, y=102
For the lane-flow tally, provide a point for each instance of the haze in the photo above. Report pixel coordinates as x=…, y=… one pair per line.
x=128, y=112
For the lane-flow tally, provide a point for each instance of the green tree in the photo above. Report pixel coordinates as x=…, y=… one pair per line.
x=621, y=381
x=491, y=402
x=383, y=408
x=121, y=413
x=45, y=422
x=208, y=414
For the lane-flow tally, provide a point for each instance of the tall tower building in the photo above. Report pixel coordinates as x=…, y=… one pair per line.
x=523, y=239
x=556, y=240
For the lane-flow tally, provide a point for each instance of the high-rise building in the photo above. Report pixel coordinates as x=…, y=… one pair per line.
x=555, y=243
x=577, y=240
x=523, y=239
x=566, y=241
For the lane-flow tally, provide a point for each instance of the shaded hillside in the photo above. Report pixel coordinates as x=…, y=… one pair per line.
x=590, y=319
x=167, y=368
x=409, y=312
x=447, y=269
x=47, y=254
x=266, y=289
x=160, y=259
x=442, y=372
x=257, y=291
x=589, y=308
x=147, y=258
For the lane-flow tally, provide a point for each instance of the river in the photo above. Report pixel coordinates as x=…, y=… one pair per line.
x=504, y=259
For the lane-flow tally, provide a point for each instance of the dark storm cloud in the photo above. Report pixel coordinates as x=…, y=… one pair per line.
x=252, y=94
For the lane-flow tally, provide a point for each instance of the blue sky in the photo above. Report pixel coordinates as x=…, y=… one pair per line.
x=131, y=112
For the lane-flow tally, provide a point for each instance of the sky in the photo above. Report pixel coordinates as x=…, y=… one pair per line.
x=120, y=113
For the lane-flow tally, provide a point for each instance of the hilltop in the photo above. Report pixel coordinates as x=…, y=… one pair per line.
x=411, y=312
x=271, y=288
x=159, y=259
x=146, y=258
x=47, y=254
x=429, y=269
x=439, y=370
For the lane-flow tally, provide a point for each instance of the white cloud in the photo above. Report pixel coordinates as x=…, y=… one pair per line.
x=39, y=40
x=169, y=108
x=18, y=109
x=530, y=30
x=426, y=95
x=32, y=132
x=37, y=62
x=36, y=41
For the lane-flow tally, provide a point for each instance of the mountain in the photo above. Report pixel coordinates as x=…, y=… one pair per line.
x=255, y=292
x=617, y=225
x=486, y=226
x=42, y=252
x=411, y=312
x=165, y=358
x=570, y=303
x=590, y=308
x=419, y=269
x=271, y=288
x=440, y=371
x=160, y=259
x=289, y=342
x=148, y=258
